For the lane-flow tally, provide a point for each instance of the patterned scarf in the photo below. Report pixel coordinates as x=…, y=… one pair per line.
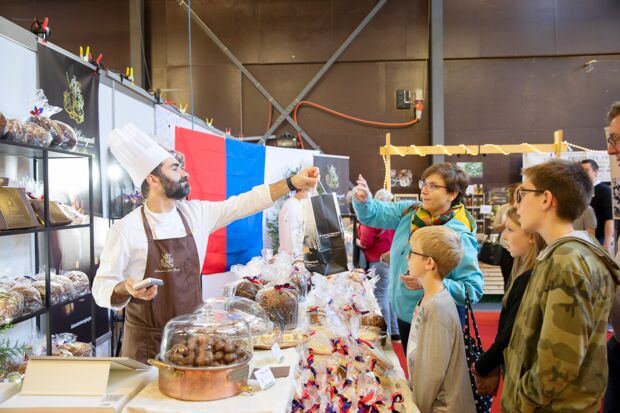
x=423, y=218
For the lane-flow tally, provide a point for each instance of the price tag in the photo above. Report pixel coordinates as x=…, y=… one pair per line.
x=265, y=378
x=486, y=209
x=277, y=351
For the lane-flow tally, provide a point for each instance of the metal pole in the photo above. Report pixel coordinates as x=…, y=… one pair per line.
x=388, y=163
x=246, y=72
x=437, y=91
x=325, y=68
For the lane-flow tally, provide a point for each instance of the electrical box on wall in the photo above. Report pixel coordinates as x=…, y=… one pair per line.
x=403, y=99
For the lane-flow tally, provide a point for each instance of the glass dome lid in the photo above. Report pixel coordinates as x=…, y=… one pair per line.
x=207, y=339
x=249, y=310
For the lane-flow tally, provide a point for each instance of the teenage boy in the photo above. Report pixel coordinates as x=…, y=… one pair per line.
x=556, y=359
x=435, y=351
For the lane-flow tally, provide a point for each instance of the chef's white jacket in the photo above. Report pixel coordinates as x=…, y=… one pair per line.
x=125, y=251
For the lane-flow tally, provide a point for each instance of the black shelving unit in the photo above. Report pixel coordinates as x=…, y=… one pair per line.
x=40, y=157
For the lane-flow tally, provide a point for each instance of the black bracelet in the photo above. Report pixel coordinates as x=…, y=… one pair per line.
x=289, y=183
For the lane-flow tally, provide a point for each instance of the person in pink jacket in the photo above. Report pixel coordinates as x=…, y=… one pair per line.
x=375, y=242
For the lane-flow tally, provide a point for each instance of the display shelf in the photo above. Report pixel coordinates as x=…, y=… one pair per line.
x=42, y=249
x=38, y=230
x=23, y=150
x=42, y=311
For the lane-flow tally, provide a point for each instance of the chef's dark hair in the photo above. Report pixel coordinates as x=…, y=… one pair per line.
x=145, y=188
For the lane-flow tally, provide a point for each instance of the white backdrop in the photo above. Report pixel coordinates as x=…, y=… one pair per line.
x=278, y=163
x=602, y=159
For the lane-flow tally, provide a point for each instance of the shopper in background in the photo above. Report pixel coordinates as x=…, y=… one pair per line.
x=586, y=222
x=556, y=359
x=291, y=225
x=442, y=187
x=436, y=357
x=612, y=395
x=601, y=203
x=524, y=247
x=498, y=226
x=166, y=239
x=375, y=242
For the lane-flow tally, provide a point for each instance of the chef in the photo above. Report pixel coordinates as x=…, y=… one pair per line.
x=166, y=239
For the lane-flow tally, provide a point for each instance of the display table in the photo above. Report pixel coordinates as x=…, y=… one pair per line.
x=122, y=386
x=276, y=399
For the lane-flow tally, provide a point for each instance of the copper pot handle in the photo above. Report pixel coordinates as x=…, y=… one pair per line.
x=159, y=364
x=247, y=389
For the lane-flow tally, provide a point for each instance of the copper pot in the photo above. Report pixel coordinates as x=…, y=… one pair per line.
x=202, y=383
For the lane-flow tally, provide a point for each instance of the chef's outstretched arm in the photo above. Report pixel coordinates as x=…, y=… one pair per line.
x=306, y=179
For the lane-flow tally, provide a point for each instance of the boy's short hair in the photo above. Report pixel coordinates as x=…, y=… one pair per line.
x=440, y=243
x=568, y=183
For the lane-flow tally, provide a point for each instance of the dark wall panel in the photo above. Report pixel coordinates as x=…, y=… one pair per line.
x=104, y=26
x=506, y=101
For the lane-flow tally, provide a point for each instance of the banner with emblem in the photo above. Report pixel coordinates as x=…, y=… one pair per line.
x=73, y=86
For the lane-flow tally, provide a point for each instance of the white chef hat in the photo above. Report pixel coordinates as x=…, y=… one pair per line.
x=138, y=153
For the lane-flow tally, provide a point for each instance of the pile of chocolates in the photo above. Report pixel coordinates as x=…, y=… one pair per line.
x=205, y=351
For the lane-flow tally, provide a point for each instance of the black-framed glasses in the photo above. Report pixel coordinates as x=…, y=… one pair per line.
x=412, y=252
x=520, y=193
x=431, y=186
x=613, y=140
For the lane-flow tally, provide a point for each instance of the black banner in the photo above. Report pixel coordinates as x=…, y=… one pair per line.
x=334, y=177
x=74, y=87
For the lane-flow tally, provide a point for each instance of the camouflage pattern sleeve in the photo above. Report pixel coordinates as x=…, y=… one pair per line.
x=566, y=327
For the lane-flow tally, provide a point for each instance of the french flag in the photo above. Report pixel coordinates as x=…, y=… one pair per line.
x=220, y=168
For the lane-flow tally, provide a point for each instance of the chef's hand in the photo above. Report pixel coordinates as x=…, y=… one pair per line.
x=411, y=282
x=146, y=294
x=307, y=179
x=362, y=192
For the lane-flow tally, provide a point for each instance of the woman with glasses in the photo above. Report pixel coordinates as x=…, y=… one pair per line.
x=442, y=187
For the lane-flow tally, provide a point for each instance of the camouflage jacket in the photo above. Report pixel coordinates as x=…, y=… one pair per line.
x=557, y=357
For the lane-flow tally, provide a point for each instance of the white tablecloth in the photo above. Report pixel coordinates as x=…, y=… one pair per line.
x=276, y=399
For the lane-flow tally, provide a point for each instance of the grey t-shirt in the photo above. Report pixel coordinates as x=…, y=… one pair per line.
x=436, y=358
x=586, y=221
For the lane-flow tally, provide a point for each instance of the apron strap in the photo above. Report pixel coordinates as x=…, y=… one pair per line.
x=147, y=227
x=185, y=224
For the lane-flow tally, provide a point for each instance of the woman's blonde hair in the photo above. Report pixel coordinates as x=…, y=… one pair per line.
x=527, y=262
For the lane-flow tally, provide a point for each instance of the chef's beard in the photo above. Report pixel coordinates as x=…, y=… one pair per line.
x=175, y=189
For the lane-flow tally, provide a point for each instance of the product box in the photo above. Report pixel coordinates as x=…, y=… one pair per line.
x=57, y=385
x=56, y=214
x=15, y=210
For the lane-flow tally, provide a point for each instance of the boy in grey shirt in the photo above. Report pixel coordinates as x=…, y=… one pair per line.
x=436, y=352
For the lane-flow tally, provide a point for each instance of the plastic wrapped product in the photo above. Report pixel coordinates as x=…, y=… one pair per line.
x=30, y=295
x=247, y=289
x=80, y=282
x=56, y=133
x=3, y=125
x=15, y=131
x=70, y=137
x=56, y=291
x=36, y=135
x=11, y=305
x=68, y=291
x=280, y=301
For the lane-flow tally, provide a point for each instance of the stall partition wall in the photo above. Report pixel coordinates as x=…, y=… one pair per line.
x=119, y=103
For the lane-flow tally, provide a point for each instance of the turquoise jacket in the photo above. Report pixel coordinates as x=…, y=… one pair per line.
x=466, y=275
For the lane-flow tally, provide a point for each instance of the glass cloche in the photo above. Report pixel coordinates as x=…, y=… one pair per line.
x=210, y=338
x=251, y=312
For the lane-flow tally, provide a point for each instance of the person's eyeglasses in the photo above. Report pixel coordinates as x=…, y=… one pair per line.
x=613, y=140
x=417, y=253
x=431, y=186
x=522, y=191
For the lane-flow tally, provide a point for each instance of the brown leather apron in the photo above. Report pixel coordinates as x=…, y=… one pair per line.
x=176, y=262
